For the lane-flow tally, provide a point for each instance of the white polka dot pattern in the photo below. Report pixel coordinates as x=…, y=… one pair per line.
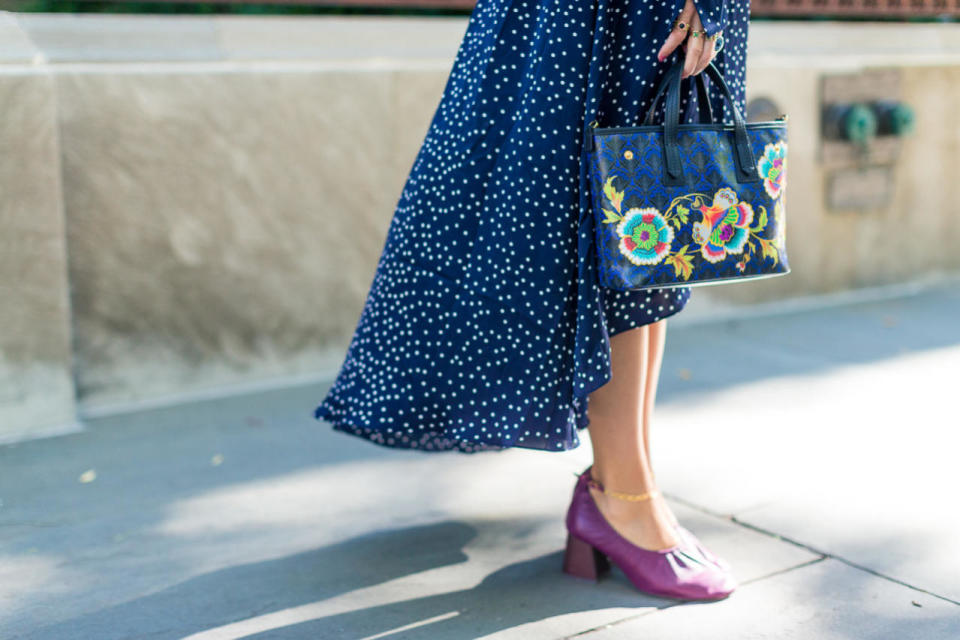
x=484, y=326
x=713, y=14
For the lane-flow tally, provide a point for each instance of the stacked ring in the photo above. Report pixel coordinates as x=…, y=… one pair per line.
x=717, y=41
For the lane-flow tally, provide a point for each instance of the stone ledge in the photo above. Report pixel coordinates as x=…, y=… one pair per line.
x=62, y=38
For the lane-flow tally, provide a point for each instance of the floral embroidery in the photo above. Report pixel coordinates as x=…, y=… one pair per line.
x=727, y=227
x=679, y=210
x=724, y=228
x=769, y=247
x=615, y=197
x=681, y=236
x=682, y=262
x=645, y=236
x=773, y=168
x=781, y=223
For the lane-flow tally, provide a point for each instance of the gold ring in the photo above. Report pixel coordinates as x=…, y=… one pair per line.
x=679, y=24
x=697, y=34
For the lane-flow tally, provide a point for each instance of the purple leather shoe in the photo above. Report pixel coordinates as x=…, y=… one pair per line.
x=592, y=543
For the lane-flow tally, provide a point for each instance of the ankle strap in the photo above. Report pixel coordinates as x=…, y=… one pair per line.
x=636, y=497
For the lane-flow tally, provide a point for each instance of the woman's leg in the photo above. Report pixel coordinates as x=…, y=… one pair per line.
x=657, y=339
x=620, y=415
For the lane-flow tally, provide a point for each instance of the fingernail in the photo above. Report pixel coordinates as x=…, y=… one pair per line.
x=659, y=57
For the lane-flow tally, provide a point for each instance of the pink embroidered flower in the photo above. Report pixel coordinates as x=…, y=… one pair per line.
x=645, y=236
x=773, y=168
x=724, y=228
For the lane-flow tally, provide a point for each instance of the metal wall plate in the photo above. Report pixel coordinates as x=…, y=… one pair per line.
x=859, y=177
x=865, y=86
x=859, y=189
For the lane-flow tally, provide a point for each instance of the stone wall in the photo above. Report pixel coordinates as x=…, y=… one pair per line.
x=199, y=203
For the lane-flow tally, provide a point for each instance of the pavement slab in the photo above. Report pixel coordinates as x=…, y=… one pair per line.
x=852, y=455
x=822, y=474
x=825, y=600
x=255, y=545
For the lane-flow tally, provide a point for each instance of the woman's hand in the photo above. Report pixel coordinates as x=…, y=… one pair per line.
x=689, y=30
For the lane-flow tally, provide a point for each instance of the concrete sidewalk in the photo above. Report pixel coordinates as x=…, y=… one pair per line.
x=816, y=451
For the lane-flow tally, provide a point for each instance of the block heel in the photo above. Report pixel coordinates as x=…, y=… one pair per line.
x=681, y=572
x=583, y=560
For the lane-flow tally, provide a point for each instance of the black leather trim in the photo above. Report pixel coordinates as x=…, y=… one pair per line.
x=691, y=126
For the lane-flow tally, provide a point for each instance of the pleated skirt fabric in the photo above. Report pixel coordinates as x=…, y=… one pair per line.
x=484, y=326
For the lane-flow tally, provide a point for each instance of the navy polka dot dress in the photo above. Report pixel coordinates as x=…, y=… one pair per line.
x=484, y=326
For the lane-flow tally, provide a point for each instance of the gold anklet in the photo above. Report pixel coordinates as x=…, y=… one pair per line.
x=636, y=497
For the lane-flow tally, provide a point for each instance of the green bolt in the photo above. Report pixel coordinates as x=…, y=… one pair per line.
x=859, y=123
x=894, y=117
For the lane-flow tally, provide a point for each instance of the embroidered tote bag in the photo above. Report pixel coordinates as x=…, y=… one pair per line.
x=688, y=204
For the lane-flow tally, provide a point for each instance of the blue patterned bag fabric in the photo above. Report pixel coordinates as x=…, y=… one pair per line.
x=689, y=204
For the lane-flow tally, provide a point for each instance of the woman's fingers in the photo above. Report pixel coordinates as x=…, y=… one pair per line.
x=706, y=55
x=694, y=48
x=677, y=35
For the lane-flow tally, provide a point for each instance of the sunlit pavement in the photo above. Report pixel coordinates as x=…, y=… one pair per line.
x=816, y=451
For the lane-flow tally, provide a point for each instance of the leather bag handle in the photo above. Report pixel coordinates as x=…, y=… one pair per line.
x=703, y=99
x=704, y=107
x=746, y=162
x=746, y=166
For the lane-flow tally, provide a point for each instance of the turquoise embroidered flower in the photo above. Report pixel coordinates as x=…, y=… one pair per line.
x=724, y=228
x=645, y=236
x=773, y=168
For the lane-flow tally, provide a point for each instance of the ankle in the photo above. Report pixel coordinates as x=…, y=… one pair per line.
x=620, y=509
x=635, y=486
x=643, y=522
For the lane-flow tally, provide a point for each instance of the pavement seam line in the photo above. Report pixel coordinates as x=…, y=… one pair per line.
x=797, y=543
x=671, y=605
x=849, y=563
x=607, y=625
x=805, y=563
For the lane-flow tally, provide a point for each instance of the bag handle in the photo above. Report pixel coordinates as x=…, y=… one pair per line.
x=703, y=99
x=704, y=107
x=746, y=165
